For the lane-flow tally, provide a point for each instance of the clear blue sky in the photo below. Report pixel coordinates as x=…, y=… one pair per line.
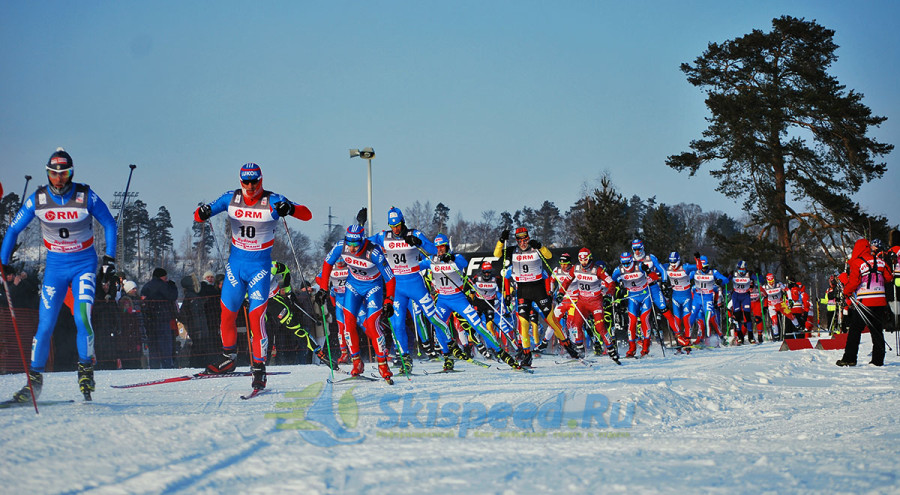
x=477, y=104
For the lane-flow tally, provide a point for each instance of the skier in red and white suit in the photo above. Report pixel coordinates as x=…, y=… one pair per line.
x=591, y=283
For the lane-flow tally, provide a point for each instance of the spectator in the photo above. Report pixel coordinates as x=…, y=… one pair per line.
x=210, y=291
x=22, y=291
x=159, y=309
x=104, y=320
x=193, y=316
x=132, y=343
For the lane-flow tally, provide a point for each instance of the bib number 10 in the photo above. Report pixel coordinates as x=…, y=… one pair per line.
x=248, y=231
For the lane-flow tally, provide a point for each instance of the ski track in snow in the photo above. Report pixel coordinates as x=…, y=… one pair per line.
x=732, y=420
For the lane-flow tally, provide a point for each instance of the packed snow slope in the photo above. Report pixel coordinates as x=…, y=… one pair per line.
x=743, y=419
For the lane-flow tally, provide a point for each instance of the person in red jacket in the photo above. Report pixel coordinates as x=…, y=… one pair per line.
x=864, y=284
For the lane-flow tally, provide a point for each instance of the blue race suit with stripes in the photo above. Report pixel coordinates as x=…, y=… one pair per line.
x=67, y=228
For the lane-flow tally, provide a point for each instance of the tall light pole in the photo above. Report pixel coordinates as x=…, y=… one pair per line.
x=120, y=247
x=368, y=154
x=22, y=202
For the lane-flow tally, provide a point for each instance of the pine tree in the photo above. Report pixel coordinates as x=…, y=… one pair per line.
x=769, y=93
x=600, y=221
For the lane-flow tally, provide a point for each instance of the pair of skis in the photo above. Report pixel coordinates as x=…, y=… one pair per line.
x=203, y=376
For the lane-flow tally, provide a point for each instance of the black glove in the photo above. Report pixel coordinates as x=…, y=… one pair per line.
x=535, y=243
x=108, y=267
x=504, y=236
x=204, y=212
x=284, y=208
x=388, y=308
x=320, y=297
x=697, y=255
x=362, y=215
x=412, y=240
x=446, y=257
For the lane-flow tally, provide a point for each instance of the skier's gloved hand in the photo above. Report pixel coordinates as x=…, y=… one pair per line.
x=412, y=240
x=204, y=212
x=504, y=235
x=446, y=257
x=284, y=208
x=320, y=297
x=108, y=267
x=387, y=309
x=535, y=244
x=362, y=215
x=697, y=255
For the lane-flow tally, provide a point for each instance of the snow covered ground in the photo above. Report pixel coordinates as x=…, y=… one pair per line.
x=731, y=420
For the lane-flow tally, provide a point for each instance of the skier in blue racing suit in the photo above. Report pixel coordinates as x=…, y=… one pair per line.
x=66, y=211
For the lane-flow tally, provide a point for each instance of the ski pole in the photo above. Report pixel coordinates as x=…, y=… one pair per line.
x=12, y=314
x=212, y=232
x=327, y=340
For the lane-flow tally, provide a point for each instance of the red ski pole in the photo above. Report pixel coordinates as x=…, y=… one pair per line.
x=12, y=314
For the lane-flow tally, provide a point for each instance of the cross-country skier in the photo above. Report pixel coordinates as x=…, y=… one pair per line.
x=704, y=286
x=402, y=247
x=254, y=213
x=488, y=303
x=741, y=307
x=447, y=277
x=370, y=285
x=527, y=270
x=632, y=277
x=337, y=284
x=656, y=274
x=66, y=211
x=774, y=294
x=591, y=283
x=679, y=282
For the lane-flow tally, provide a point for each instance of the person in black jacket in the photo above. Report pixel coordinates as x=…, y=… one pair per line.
x=159, y=309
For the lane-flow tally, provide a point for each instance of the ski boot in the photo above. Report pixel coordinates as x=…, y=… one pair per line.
x=324, y=358
x=385, y=371
x=759, y=339
x=511, y=361
x=484, y=351
x=542, y=346
x=632, y=348
x=406, y=364
x=457, y=352
x=469, y=349
x=227, y=365
x=579, y=348
x=37, y=383
x=567, y=345
x=86, y=379
x=598, y=348
x=259, y=375
x=358, y=366
x=345, y=356
x=448, y=363
x=613, y=351
x=525, y=361
x=645, y=347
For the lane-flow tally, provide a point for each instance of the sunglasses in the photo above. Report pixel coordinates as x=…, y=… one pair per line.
x=64, y=174
x=249, y=182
